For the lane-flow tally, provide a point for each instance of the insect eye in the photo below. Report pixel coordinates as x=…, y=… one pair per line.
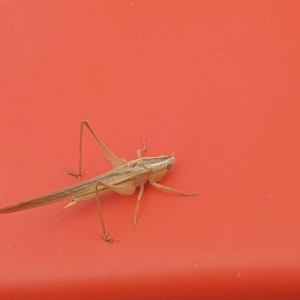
x=169, y=166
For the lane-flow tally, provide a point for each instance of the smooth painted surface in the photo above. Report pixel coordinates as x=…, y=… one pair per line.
x=132, y=69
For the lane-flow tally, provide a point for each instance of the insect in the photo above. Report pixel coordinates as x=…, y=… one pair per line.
x=124, y=178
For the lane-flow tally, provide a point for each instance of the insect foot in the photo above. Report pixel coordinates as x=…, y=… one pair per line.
x=70, y=172
x=109, y=240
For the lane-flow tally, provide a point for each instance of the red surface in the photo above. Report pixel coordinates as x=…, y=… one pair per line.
x=132, y=69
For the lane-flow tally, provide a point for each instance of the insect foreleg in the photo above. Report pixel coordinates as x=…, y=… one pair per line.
x=142, y=150
x=166, y=188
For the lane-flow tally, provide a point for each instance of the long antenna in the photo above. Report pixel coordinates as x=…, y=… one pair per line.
x=190, y=108
x=186, y=118
x=257, y=206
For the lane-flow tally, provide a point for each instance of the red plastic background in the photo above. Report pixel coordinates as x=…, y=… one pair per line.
x=132, y=68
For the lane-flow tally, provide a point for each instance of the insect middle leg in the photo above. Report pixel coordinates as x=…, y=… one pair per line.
x=141, y=185
x=138, y=205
